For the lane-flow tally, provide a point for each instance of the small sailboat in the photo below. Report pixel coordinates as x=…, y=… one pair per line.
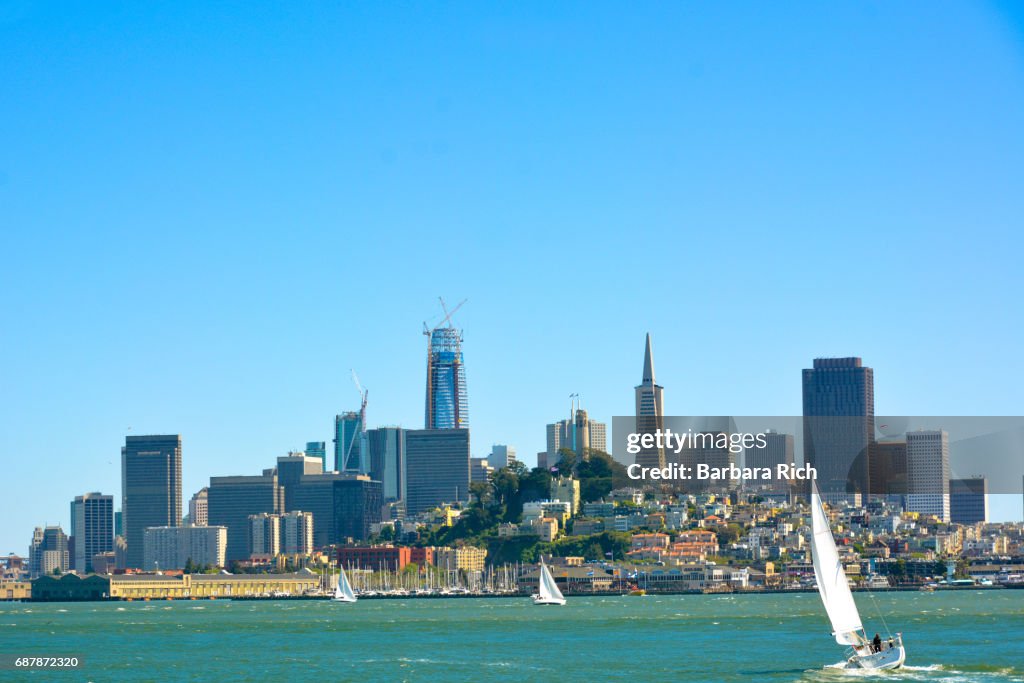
x=547, y=592
x=838, y=600
x=343, y=591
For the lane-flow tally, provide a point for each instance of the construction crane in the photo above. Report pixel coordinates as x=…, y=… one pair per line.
x=447, y=316
x=363, y=393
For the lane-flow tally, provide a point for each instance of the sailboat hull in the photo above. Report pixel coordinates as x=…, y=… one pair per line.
x=539, y=600
x=892, y=658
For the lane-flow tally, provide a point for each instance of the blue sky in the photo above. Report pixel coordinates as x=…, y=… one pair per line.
x=209, y=214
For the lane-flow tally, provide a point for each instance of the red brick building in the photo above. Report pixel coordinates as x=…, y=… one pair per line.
x=375, y=557
x=422, y=556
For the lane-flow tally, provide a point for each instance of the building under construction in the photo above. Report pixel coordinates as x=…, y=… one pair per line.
x=447, y=406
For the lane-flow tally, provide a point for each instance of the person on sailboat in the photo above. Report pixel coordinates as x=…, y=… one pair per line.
x=876, y=644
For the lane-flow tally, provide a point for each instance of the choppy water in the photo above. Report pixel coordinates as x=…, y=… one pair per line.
x=950, y=637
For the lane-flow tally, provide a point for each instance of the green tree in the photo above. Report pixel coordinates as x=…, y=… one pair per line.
x=963, y=568
x=567, y=463
x=479, y=492
x=595, y=489
x=597, y=472
x=594, y=551
x=535, y=486
x=505, y=485
x=730, y=534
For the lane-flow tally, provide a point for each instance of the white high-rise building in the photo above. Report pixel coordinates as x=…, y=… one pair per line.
x=598, y=435
x=92, y=524
x=928, y=473
x=557, y=438
x=171, y=547
x=264, y=534
x=650, y=410
x=198, y=508
x=297, y=532
x=480, y=471
x=501, y=456
x=581, y=434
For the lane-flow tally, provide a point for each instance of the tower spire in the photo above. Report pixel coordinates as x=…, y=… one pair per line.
x=650, y=410
x=648, y=377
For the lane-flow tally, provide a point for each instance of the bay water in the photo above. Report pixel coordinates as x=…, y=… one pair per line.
x=950, y=636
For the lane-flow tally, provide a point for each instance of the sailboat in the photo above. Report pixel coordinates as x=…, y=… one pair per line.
x=343, y=591
x=842, y=610
x=547, y=593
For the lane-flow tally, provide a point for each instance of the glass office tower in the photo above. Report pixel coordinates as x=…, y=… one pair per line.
x=447, y=406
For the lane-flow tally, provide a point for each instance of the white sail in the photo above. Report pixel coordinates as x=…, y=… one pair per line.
x=548, y=587
x=832, y=583
x=343, y=591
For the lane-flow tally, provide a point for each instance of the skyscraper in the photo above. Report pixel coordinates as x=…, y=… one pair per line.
x=386, y=459
x=318, y=449
x=343, y=506
x=557, y=436
x=233, y=499
x=48, y=552
x=597, y=434
x=437, y=468
x=264, y=534
x=708, y=447
x=447, y=406
x=93, y=528
x=170, y=547
x=150, y=489
x=198, y=508
x=928, y=473
x=889, y=469
x=777, y=450
x=650, y=410
x=839, y=426
x=290, y=470
x=480, y=471
x=501, y=456
x=297, y=532
x=349, y=442
x=579, y=435
x=968, y=500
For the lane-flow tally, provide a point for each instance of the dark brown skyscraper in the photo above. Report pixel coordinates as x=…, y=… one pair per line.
x=889, y=468
x=150, y=488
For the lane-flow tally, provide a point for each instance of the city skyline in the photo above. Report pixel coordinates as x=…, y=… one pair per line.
x=158, y=445
x=205, y=236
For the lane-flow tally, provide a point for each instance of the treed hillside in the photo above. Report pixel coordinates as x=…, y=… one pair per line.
x=501, y=501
